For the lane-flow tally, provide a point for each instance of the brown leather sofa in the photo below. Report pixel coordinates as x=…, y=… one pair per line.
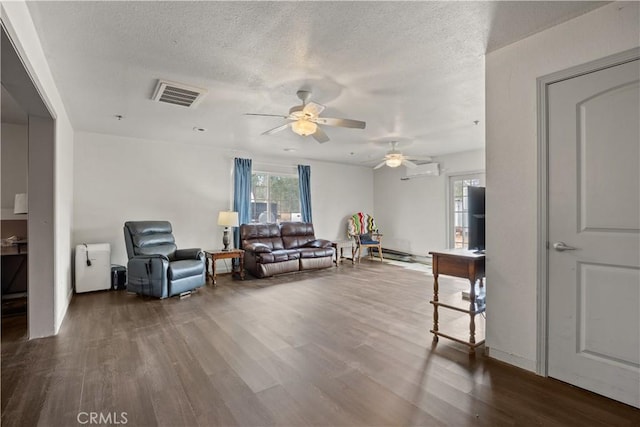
x=272, y=249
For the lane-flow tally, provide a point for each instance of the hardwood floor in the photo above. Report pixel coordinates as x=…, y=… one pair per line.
x=342, y=346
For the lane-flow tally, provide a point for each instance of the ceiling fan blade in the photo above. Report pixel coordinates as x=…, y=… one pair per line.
x=277, y=129
x=379, y=165
x=266, y=115
x=345, y=123
x=409, y=164
x=320, y=136
x=313, y=109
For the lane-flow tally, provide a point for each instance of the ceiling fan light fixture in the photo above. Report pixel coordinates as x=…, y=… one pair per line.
x=393, y=162
x=304, y=127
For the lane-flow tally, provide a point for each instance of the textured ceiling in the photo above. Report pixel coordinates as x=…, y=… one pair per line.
x=414, y=71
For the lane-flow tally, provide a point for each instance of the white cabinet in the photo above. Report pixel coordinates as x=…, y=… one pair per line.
x=93, y=267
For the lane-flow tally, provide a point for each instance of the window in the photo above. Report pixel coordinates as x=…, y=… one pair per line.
x=275, y=197
x=459, y=228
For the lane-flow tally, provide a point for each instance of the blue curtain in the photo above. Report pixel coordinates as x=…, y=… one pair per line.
x=304, y=182
x=241, y=194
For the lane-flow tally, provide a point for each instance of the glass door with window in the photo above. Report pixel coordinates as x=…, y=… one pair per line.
x=458, y=208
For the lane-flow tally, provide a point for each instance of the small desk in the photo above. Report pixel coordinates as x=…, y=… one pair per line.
x=467, y=265
x=215, y=254
x=338, y=246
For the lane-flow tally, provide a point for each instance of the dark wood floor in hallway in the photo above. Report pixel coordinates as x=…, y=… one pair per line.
x=347, y=346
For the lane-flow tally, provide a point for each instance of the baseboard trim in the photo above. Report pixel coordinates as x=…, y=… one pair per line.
x=511, y=359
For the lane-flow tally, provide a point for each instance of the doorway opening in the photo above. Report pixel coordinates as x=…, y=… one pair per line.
x=27, y=215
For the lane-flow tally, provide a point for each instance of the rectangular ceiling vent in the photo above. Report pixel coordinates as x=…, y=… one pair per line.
x=178, y=94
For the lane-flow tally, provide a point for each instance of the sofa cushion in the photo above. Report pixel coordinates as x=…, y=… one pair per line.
x=185, y=268
x=278, y=256
x=268, y=234
x=297, y=234
x=315, y=252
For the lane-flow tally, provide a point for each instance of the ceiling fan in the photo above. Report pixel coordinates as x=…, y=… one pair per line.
x=395, y=158
x=305, y=119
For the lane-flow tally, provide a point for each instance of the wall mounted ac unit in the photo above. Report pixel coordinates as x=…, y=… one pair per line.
x=429, y=169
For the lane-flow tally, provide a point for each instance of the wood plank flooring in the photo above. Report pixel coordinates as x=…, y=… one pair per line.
x=347, y=346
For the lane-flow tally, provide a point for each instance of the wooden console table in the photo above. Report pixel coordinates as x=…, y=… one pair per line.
x=467, y=265
x=215, y=254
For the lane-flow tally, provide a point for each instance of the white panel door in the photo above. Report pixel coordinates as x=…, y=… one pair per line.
x=594, y=232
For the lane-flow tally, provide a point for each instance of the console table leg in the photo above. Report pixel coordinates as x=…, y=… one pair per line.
x=213, y=272
x=472, y=316
x=435, y=308
x=472, y=331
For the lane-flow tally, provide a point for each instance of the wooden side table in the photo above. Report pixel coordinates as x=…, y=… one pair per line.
x=467, y=265
x=338, y=246
x=215, y=254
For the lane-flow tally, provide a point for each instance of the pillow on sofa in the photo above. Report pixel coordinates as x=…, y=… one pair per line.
x=257, y=247
x=318, y=243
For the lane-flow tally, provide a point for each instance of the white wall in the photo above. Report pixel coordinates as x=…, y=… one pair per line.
x=63, y=205
x=118, y=179
x=412, y=214
x=14, y=166
x=20, y=28
x=337, y=192
x=512, y=180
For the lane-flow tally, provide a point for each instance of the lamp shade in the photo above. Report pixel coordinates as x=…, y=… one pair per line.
x=304, y=127
x=393, y=162
x=228, y=218
x=21, y=204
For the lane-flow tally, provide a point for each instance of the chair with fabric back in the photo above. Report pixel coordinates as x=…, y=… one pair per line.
x=363, y=229
x=156, y=267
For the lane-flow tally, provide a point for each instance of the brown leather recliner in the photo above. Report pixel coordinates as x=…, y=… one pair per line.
x=272, y=249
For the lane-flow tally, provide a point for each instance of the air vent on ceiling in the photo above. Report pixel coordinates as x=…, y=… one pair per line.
x=178, y=94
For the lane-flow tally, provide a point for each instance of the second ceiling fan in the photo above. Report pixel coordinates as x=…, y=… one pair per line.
x=305, y=119
x=395, y=158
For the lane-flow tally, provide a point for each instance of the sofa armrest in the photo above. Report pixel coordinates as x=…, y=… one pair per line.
x=257, y=248
x=318, y=243
x=193, y=253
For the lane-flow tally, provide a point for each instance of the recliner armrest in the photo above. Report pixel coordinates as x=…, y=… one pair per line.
x=147, y=266
x=318, y=243
x=192, y=253
x=146, y=258
x=257, y=248
x=147, y=274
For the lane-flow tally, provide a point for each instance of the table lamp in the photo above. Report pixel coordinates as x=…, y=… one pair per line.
x=227, y=219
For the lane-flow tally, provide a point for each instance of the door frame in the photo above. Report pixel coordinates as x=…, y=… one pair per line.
x=542, y=87
x=41, y=180
x=449, y=190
